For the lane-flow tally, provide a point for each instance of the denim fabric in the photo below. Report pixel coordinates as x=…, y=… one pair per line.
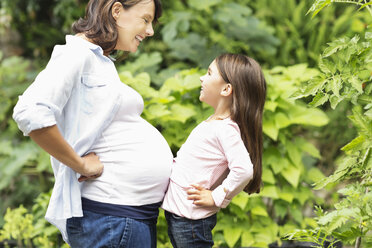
x=97, y=230
x=187, y=233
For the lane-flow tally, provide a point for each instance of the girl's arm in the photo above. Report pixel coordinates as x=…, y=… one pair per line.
x=240, y=166
x=51, y=140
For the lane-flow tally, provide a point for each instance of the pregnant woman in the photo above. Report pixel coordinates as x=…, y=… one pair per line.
x=111, y=167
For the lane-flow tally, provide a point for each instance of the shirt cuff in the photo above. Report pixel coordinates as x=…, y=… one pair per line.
x=33, y=118
x=219, y=197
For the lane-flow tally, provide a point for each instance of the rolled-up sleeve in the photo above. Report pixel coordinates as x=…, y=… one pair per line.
x=45, y=98
x=239, y=163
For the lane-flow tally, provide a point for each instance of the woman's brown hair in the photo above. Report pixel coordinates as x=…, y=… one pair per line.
x=249, y=94
x=100, y=26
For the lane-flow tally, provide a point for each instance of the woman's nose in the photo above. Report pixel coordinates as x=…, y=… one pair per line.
x=149, y=30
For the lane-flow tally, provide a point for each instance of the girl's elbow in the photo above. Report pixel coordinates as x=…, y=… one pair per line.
x=248, y=175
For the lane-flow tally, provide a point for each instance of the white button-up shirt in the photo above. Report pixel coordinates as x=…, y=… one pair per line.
x=76, y=92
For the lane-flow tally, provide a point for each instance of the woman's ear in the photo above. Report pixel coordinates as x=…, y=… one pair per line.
x=227, y=90
x=115, y=10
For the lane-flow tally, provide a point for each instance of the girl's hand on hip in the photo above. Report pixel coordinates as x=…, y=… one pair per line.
x=93, y=167
x=200, y=196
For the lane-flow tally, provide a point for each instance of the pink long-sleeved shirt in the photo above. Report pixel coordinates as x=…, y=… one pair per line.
x=213, y=156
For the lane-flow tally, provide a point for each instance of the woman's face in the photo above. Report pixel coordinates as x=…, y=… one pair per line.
x=134, y=24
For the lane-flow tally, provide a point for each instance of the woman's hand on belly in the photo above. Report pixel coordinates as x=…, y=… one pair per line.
x=93, y=167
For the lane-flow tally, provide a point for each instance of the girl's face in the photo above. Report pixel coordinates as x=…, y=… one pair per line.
x=134, y=25
x=212, y=86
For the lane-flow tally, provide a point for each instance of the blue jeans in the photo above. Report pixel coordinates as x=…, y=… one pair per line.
x=186, y=233
x=98, y=230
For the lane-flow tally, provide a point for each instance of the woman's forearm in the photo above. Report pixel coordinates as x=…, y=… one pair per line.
x=52, y=141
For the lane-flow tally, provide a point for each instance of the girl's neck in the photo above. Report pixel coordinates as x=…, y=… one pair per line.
x=221, y=108
x=220, y=114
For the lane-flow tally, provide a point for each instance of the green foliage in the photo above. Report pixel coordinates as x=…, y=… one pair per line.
x=197, y=33
x=30, y=229
x=301, y=37
x=40, y=22
x=318, y=5
x=22, y=162
x=345, y=76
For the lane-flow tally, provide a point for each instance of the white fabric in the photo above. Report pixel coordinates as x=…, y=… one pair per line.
x=137, y=159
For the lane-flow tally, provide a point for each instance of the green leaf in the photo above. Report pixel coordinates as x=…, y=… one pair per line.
x=279, y=164
x=307, y=116
x=303, y=194
x=181, y=112
x=307, y=147
x=288, y=197
x=364, y=5
x=292, y=175
x=142, y=62
x=337, y=218
x=156, y=111
x=319, y=99
x=281, y=208
x=341, y=171
x=335, y=46
x=241, y=200
x=269, y=191
x=294, y=153
x=281, y=120
x=270, y=105
x=232, y=235
x=258, y=210
x=315, y=175
x=355, y=144
x=314, y=86
x=335, y=100
x=356, y=83
x=336, y=85
x=327, y=66
x=270, y=129
x=247, y=239
x=268, y=177
x=360, y=121
x=192, y=81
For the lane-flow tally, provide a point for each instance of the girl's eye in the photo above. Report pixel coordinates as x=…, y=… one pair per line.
x=146, y=21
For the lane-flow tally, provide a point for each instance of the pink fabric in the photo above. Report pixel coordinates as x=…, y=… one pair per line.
x=213, y=156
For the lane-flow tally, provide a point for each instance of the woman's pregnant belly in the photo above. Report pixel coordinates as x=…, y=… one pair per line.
x=137, y=165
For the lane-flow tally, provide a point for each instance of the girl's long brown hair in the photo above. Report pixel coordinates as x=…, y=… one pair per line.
x=100, y=26
x=249, y=93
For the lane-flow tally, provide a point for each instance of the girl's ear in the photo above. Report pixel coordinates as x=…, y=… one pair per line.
x=227, y=90
x=115, y=10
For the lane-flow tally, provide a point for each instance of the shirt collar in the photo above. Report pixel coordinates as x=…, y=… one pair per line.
x=73, y=39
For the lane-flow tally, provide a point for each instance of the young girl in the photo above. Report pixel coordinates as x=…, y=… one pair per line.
x=222, y=156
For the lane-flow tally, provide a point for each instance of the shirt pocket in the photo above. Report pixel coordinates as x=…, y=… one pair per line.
x=92, y=81
x=94, y=92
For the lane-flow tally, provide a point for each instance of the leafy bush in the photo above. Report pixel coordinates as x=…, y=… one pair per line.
x=22, y=162
x=345, y=76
